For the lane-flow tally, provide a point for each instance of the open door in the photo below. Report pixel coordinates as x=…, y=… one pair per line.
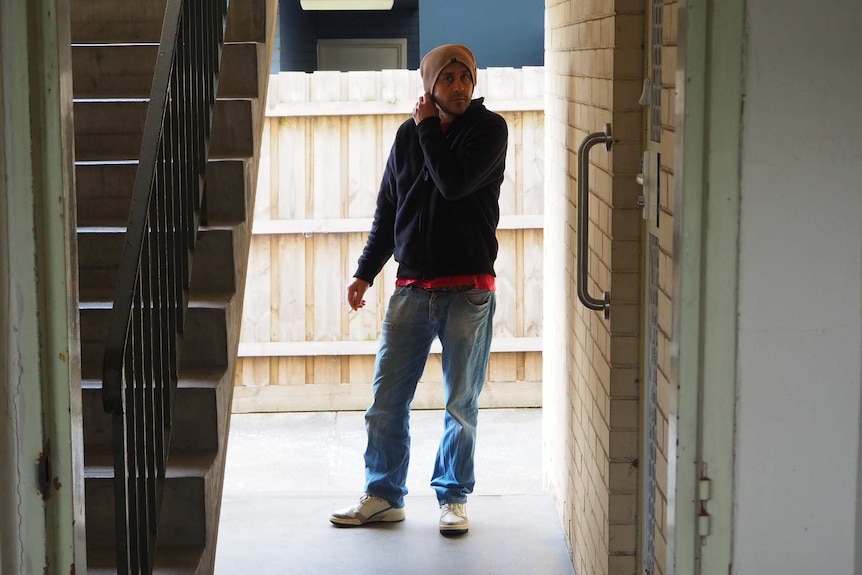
x=702, y=354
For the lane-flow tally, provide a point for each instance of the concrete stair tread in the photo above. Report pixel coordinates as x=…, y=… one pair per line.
x=121, y=229
x=212, y=300
x=199, y=378
x=101, y=560
x=101, y=299
x=99, y=464
x=198, y=297
x=197, y=300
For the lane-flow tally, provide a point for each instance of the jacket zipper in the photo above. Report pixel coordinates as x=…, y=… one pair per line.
x=423, y=229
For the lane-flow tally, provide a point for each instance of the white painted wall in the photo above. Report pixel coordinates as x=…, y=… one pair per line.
x=800, y=300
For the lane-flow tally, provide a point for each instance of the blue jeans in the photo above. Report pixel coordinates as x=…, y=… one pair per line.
x=463, y=320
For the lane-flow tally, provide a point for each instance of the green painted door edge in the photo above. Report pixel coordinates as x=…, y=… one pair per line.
x=706, y=240
x=40, y=329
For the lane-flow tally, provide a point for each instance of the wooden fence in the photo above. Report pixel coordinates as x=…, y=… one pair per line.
x=325, y=143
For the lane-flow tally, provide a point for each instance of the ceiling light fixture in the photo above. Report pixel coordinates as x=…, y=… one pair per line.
x=346, y=4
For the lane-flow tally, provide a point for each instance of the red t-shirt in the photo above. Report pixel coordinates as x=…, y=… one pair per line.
x=481, y=281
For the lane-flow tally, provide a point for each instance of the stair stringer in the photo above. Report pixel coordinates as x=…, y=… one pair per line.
x=233, y=313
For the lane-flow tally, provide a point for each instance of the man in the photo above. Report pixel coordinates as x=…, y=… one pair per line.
x=437, y=212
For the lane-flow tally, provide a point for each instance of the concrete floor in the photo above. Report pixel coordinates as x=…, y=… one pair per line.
x=286, y=472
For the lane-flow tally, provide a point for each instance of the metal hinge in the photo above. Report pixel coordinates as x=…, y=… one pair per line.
x=704, y=489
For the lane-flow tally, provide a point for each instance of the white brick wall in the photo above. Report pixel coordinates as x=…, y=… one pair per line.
x=595, y=67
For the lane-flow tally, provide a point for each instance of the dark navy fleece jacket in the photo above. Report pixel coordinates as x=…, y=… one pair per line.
x=438, y=205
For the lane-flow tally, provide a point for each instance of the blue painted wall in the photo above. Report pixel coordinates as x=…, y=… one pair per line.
x=500, y=32
x=297, y=39
x=299, y=31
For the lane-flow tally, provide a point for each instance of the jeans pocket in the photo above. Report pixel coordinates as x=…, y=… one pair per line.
x=477, y=297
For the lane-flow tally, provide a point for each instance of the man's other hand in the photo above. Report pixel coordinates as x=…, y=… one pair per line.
x=355, y=291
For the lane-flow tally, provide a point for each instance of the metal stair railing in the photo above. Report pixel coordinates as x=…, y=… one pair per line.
x=141, y=363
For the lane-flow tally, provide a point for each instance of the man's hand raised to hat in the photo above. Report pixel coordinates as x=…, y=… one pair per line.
x=425, y=108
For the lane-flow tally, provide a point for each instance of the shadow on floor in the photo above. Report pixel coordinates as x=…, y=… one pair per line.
x=286, y=473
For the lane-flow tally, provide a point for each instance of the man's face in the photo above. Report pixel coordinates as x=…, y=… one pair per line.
x=454, y=89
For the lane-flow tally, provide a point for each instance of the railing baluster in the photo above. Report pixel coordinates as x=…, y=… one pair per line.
x=175, y=318
x=183, y=105
x=194, y=84
x=149, y=266
x=133, y=415
x=121, y=471
x=160, y=356
x=140, y=421
x=178, y=207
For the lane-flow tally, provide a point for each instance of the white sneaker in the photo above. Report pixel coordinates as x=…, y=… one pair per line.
x=453, y=519
x=369, y=510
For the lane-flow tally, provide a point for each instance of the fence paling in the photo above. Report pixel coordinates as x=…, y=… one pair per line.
x=325, y=142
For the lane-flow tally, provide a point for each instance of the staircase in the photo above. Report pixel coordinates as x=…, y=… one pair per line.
x=113, y=56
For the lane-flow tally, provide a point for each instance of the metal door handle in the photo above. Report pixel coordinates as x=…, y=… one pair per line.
x=584, y=219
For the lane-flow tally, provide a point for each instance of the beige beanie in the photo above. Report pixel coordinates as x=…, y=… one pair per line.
x=440, y=57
